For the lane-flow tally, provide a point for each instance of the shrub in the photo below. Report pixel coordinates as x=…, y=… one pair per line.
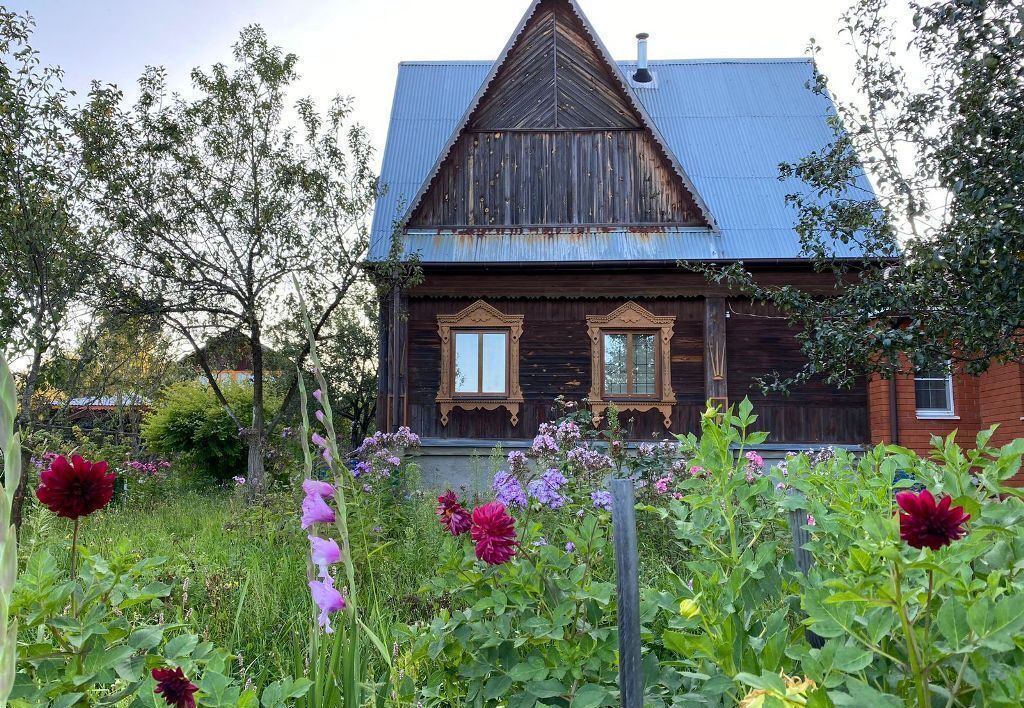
x=192, y=424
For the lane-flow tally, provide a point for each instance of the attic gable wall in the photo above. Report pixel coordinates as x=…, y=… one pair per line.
x=554, y=141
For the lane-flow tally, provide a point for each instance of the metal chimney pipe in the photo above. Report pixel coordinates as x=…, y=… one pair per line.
x=642, y=75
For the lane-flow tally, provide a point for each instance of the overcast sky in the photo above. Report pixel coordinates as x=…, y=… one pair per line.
x=353, y=46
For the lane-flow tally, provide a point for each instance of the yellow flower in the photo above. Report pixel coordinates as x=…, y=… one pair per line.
x=688, y=608
x=796, y=693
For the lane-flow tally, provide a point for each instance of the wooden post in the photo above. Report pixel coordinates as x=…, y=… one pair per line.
x=716, y=385
x=804, y=559
x=627, y=580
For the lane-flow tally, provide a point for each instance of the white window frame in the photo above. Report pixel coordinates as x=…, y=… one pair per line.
x=937, y=413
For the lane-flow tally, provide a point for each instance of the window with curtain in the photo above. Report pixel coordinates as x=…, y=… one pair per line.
x=933, y=392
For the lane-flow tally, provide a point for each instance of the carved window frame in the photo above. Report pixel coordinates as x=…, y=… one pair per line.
x=631, y=317
x=479, y=317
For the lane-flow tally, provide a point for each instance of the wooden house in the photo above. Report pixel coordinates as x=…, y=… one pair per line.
x=550, y=196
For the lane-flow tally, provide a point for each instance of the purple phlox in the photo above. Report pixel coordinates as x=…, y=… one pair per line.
x=568, y=433
x=548, y=429
x=367, y=488
x=601, y=500
x=517, y=463
x=645, y=450
x=541, y=541
x=811, y=521
x=240, y=481
x=545, y=489
x=697, y=471
x=661, y=486
x=362, y=467
x=582, y=459
x=324, y=552
x=570, y=547
x=508, y=490
x=544, y=445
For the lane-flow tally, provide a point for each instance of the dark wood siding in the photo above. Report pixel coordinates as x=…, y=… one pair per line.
x=759, y=342
x=555, y=178
x=555, y=360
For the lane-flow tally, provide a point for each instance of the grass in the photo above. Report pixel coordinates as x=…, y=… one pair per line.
x=245, y=567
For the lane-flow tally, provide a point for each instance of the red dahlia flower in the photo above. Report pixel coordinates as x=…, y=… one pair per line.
x=77, y=488
x=452, y=515
x=494, y=532
x=925, y=523
x=175, y=688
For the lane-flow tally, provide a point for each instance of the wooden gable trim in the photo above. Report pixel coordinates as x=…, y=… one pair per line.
x=479, y=315
x=627, y=90
x=631, y=316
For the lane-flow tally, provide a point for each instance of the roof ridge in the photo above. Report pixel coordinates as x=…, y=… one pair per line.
x=628, y=62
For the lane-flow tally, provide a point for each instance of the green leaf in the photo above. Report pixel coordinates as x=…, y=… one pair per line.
x=146, y=638
x=591, y=695
x=549, y=688
x=497, y=687
x=951, y=619
x=181, y=645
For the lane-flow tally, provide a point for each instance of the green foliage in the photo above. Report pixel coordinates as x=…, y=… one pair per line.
x=191, y=423
x=10, y=452
x=937, y=125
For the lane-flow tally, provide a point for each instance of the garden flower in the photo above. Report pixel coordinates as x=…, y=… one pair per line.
x=316, y=487
x=755, y=460
x=318, y=395
x=240, y=481
x=75, y=489
x=327, y=599
x=324, y=552
x=589, y=461
x=319, y=440
x=796, y=694
x=688, y=608
x=452, y=515
x=811, y=521
x=320, y=415
x=544, y=445
x=925, y=523
x=661, y=486
x=361, y=468
x=570, y=547
x=545, y=489
x=494, y=532
x=568, y=433
x=508, y=490
x=540, y=542
x=517, y=462
x=174, y=688
x=316, y=511
x=697, y=471
x=601, y=500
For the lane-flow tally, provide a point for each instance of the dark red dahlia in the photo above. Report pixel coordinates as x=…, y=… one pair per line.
x=925, y=523
x=494, y=532
x=452, y=515
x=76, y=488
x=175, y=688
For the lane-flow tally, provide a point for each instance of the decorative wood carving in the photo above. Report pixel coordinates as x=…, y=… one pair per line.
x=716, y=385
x=479, y=315
x=631, y=316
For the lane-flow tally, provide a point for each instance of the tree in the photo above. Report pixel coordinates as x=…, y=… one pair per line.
x=50, y=255
x=943, y=238
x=218, y=202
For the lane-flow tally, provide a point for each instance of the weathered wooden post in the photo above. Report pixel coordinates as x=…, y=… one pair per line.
x=804, y=559
x=627, y=580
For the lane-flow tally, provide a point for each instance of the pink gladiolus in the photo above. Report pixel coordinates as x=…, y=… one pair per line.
x=319, y=440
x=327, y=599
x=319, y=416
x=324, y=552
x=316, y=511
x=318, y=395
x=327, y=454
x=315, y=486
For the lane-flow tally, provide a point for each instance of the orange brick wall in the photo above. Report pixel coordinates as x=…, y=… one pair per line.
x=997, y=396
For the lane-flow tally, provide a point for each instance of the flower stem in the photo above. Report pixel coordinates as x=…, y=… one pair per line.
x=74, y=564
x=920, y=680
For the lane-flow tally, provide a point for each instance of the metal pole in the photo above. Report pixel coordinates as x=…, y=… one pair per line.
x=627, y=580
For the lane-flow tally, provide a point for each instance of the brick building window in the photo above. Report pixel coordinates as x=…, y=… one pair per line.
x=933, y=392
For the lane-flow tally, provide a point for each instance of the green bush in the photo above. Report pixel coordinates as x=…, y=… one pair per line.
x=192, y=424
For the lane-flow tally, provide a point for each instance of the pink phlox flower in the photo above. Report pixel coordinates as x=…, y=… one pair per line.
x=661, y=486
x=811, y=521
x=544, y=445
x=697, y=471
x=517, y=462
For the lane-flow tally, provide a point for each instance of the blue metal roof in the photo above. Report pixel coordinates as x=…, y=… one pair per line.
x=730, y=122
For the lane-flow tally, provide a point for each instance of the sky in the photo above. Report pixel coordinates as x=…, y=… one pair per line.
x=352, y=47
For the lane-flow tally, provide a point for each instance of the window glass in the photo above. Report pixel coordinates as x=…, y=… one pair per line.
x=933, y=390
x=495, y=349
x=643, y=364
x=615, y=364
x=467, y=362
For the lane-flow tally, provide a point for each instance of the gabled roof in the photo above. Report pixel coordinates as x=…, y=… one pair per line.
x=728, y=122
x=617, y=77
